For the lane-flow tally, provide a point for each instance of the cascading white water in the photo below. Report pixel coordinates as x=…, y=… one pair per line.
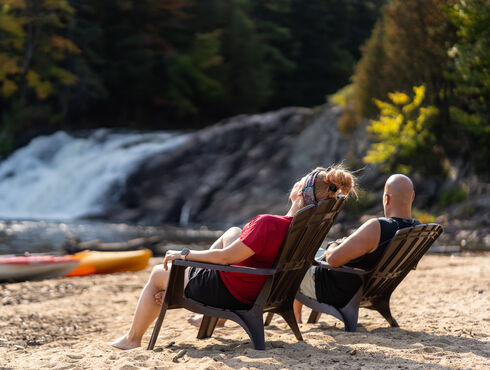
x=65, y=177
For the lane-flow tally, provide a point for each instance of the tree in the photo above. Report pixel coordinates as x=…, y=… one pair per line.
x=408, y=47
x=403, y=134
x=469, y=71
x=33, y=54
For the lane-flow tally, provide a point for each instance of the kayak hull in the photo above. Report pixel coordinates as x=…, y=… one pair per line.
x=14, y=269
x=95, y=262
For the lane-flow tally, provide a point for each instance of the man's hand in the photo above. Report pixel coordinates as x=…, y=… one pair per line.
x=334, y=244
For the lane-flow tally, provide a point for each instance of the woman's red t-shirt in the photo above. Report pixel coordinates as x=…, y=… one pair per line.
x=264, y=235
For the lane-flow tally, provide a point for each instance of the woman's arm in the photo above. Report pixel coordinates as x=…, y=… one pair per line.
x=234, y=253
x=364, y=240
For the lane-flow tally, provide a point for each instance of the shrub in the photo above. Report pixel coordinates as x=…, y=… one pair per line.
x=456, y=194
x=366, y=201
x=422, y=216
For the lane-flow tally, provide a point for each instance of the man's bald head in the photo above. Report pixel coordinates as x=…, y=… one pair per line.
x=399, y=188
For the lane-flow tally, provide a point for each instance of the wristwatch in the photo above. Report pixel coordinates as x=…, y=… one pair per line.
x=184, y=252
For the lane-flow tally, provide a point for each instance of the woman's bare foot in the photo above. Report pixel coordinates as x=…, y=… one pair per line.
x=195, y=320
x=125, y=343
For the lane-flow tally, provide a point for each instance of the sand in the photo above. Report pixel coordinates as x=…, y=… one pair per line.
x=443, y=309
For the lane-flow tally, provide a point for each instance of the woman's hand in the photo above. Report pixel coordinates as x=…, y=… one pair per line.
x=170, y=256
x=159, y=297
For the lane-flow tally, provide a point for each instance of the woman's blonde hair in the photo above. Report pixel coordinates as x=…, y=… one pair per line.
x=343, y=180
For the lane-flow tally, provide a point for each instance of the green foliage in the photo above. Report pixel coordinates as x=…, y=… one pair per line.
x=33, y=55
x=366, y=200
x=468, y=211
x=469, y=71
x=244, y=53
x=443, y=45
x=403, y=134
x=423, y=216
x=170, y=63
x=369, y=80
x=407, y=47
x=188, y=76
x=325, y=45
x=350, y=117
x=343, y=96
x=457, y=194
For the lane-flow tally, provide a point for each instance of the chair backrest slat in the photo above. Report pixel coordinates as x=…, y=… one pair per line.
x=307, y=232
x=401, y=255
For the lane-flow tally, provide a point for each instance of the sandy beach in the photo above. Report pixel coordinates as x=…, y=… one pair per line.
x=443, y=309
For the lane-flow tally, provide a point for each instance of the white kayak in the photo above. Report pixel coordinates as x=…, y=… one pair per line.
x=19, y=268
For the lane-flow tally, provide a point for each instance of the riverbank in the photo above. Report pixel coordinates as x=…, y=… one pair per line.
x=443, y=309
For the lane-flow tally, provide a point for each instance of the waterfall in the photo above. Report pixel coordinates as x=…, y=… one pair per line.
x=62, y=176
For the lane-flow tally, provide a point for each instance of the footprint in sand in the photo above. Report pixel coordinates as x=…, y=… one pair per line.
x=128, y=367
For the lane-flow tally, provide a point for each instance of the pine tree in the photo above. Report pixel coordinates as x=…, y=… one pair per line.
x=469, y=71
x=407, y=48
x=34, y=51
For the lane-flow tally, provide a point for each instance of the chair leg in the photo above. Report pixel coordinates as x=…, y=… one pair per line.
x=291, y=320
x=350, y=312
x=268, y=319
x=207, y=326
x=158, y=325
x=383, y=307
x=350, y=320
x=314, y=317
x=254, y=326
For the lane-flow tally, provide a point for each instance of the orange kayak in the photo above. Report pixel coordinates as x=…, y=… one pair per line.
x=94, y=262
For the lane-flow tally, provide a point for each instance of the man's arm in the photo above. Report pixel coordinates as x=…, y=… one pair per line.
x=364, y=240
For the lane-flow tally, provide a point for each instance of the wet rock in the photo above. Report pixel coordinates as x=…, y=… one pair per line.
x=230, y=172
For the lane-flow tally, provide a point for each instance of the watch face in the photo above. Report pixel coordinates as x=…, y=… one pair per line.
x=185, y=251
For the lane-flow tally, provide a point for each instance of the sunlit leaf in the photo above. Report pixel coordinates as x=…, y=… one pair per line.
x=8, y=88
x=64, y=76
x=398, y=98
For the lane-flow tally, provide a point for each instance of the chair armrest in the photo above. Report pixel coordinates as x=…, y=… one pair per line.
x=346, y=269
x=231, y=268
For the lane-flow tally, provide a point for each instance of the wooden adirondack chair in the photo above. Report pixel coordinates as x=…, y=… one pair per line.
x=306, y=233
x=400, y=257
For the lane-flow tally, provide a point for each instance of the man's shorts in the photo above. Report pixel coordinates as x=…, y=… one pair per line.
x=307, y=286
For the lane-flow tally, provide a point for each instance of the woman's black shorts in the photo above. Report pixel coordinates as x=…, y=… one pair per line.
x=206, y=286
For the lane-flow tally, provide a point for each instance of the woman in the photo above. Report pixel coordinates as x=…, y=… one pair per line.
x=255, y=246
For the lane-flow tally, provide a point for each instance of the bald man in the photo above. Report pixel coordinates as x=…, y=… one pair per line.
x=362, y=249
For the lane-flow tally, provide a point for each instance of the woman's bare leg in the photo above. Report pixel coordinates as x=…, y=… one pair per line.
x=224, y=240
x=228, y=237
x=147, y=309
x=297, y=307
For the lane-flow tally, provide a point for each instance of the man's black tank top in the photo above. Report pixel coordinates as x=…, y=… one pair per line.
x=337, y=288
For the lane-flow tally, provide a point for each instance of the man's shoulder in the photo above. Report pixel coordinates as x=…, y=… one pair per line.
x=372, y=221
x=370, y=226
